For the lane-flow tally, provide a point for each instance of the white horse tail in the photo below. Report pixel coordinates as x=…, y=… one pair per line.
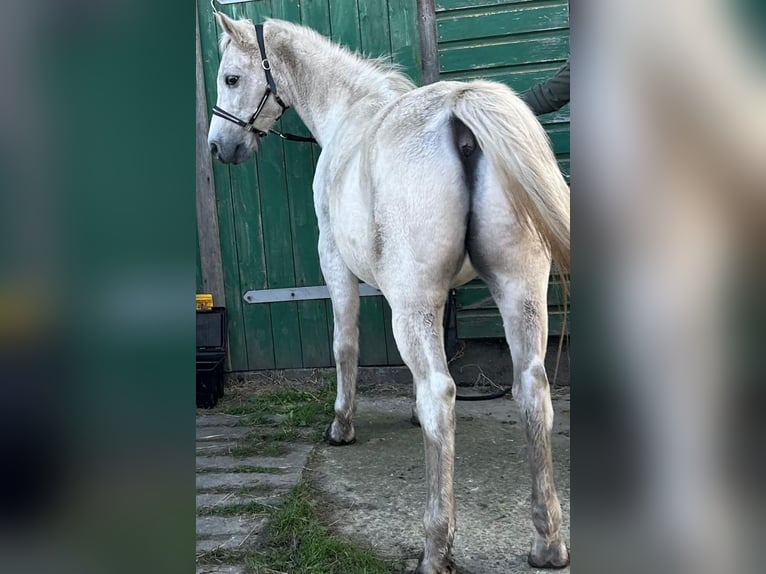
x=519, y=152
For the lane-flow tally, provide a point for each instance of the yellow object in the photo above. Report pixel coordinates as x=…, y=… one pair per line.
x=204, y=302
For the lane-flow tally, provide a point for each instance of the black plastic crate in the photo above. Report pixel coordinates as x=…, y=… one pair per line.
x=211, y=354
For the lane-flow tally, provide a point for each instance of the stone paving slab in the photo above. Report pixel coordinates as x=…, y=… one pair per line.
x=218, y=433
x=238, y=528
x=208, y=569
x=295, y=459
x=234, y=480
x=210, y=500
x=217, y=420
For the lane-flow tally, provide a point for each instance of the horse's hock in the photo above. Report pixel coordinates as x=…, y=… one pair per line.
x=373, y=491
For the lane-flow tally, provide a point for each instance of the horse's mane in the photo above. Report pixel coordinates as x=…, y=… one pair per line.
x=380, y=67
x=374, y=69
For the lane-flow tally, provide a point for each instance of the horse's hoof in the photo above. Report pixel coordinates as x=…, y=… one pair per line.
x=555, y=555
x=448, y=567
x=338, y=439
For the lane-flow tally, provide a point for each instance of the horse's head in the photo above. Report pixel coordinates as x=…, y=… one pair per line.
x=246, y=109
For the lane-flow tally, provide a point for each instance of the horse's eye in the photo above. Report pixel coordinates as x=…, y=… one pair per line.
x=232, y=80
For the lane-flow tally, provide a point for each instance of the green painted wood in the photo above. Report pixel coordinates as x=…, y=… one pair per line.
x=251, y=253
x=345, y=27
x=476, y=295
x=482, y=54
x=444, y=5
x=197, y=262
x=405, y=42
x=520, y=77
x=559, y=136
x=237, y=345
x=316, y=346
x=394, y=358
x=316, y=14
x=344, y=23
x=275, y=216
x=374, y=28
x=488, y=324
x=508, y=21
x=518, y=43
x=372, y=335
x=252, y=264
x=259, y=200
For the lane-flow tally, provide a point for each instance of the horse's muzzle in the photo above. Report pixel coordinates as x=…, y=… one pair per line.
x=235, y=154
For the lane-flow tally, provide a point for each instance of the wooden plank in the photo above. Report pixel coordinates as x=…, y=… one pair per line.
x=251, y=263
x=344, y=23
x=374, y=28
x=482, y=54
x=429, y=47
x=476, y=295
x=394, y=358
x=316, y=346
x=198, y=264
x=486, y=23
x=208, y=239
x=518, y=77
x=316, y=14
x=372, y=334
x=345, y=28
x=237, y=346
x=559, y=136
x=484, y=324
x=251, y=251
x=405, y=44
x=278, y=247
x=444, y=5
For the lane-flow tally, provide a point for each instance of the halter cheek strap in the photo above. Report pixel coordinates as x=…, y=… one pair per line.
x=271, y=90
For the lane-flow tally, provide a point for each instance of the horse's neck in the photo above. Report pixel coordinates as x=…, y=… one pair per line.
x=327, y=87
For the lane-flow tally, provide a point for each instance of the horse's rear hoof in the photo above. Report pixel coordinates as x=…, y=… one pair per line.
x=337, y=440
x=414, y=418
x=554, y=556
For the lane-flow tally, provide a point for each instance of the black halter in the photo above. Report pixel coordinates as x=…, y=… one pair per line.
x=271, y=90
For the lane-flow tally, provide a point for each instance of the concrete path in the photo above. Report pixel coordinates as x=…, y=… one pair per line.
x=374, y=490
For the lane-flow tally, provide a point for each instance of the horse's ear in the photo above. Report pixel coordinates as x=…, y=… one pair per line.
x=241, y=31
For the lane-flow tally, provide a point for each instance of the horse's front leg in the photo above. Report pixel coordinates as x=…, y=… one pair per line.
x=344, y=293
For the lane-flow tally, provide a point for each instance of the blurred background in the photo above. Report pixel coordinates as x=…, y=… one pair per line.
x=668, y=178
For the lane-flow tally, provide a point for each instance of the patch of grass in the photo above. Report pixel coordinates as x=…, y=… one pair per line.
x=298, y=543
x=282, y=416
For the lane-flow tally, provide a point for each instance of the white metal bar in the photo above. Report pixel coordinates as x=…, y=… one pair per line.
x=300, y=294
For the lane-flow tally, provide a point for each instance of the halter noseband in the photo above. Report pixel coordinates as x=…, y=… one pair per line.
x=271, y=90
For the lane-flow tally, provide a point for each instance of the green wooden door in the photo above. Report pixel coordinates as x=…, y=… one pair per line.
x=267, y=226
x=519, y=43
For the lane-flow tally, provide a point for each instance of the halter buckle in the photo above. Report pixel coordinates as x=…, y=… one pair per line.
x=265, y=64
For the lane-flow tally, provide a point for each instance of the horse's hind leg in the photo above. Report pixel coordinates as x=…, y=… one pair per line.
x=344, y=293
x=418, y=332
x=517, y=276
